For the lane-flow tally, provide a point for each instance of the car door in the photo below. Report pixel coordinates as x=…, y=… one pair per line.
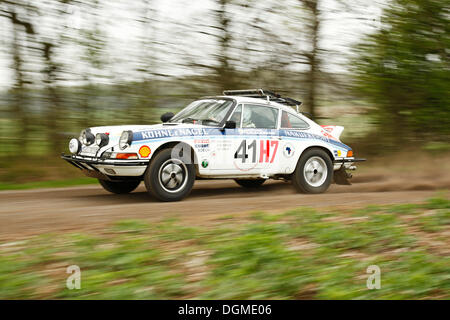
x=223, y=145
x=252, y=147
x=256, y=141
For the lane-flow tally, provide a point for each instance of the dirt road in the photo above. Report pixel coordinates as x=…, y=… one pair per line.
x=24, y=213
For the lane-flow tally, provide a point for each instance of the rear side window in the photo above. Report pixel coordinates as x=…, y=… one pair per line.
x=290, y=121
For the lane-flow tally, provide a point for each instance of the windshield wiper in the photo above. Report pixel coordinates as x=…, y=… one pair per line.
x=209, y=120
x=188, y=120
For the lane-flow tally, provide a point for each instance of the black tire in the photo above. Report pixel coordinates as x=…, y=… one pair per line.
x=119, y=187
x=250, y=184
x=154, y=176
x=310, y=158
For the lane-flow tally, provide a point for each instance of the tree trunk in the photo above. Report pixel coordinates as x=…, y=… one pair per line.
x=146, y=99
x=54, y=103
x=313, y=57
x=224, y=71
x=85, y=100
x=18, y=106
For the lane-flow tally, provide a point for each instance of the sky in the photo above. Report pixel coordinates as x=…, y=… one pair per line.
x=341, y=29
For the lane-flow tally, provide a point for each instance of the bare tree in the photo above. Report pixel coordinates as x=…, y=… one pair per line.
x=21, y=31
x=92, y=41
x=147, y=64
x=312, y=56
x=224, y=70
x=54, y=107
x=52, y=71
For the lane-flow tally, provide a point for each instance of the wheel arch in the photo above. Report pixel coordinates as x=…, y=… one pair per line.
x=171, y=144
x=328, y=151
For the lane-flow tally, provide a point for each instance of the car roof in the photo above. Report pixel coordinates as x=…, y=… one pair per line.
x=241, y=99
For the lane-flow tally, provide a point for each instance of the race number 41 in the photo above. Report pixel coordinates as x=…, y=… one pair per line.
x=247, y=152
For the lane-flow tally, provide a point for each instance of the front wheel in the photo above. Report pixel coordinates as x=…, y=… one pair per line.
x=119, y=187
x=168, y=177
x=314, y=172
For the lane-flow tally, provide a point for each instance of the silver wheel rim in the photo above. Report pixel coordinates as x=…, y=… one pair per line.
x=172, y=175
x=315, y=171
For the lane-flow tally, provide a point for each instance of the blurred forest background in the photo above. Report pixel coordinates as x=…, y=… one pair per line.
x=380, y=68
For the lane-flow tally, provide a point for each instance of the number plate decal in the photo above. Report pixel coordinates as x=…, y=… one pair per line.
x=89, y=151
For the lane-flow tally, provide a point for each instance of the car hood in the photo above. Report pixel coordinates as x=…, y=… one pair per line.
x=116, y=131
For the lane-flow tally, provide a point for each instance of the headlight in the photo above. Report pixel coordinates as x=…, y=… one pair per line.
x=74, y=146
x=87, y=137
x=101, y=139
x=125, y=139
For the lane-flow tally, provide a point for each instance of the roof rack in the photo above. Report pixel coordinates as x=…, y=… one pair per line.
x=263, y=94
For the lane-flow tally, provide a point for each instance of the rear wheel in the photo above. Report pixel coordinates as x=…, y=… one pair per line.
x=314, y=172
x=119, y=187
x=168, y=177
x=250, y=184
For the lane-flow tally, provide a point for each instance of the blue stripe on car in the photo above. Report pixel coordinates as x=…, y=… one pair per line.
x=158, y=134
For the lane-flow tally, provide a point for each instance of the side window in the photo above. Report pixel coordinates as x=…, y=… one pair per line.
x=236, y=117
x=291, y=121
x=255, y=116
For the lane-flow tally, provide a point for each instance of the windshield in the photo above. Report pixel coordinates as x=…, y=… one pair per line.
x=207, y=112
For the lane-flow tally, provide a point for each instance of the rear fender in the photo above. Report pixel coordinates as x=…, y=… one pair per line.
x=333, y=132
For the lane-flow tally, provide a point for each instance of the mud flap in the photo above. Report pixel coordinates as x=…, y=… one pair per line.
x=342, y=177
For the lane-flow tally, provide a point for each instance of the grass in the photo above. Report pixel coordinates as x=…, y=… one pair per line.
x=39, y=172
x=47, y=184
x=298, y=254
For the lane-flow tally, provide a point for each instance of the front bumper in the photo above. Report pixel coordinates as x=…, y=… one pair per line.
x=107, y=169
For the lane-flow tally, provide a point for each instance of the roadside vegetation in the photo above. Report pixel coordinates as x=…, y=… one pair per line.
x=299, y=254
x=39, y=172
x=63, y=183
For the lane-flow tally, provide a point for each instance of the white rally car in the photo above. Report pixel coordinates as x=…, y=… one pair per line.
x=246, y=135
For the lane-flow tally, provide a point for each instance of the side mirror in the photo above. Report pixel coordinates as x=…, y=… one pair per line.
x=167, y=116
x=230, y=124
